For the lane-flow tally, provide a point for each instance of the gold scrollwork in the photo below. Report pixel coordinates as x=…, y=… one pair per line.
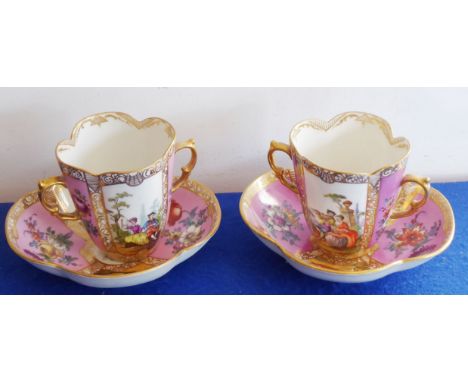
x=329, y=176
x=373, y=192
x=101, y=218
x=359, y=261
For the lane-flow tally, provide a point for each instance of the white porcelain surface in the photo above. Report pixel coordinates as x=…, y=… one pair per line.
x=112, y=144
x=349, y=145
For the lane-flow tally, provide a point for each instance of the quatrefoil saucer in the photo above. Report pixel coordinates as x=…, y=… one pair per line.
x=65, y=248
x=274, y=214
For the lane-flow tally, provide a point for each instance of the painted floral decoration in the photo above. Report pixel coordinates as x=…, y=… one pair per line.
x=414, y=236
x=283, y=220
x=83, y=206
x=189, y=230
x=49, y=245
x=385, y=214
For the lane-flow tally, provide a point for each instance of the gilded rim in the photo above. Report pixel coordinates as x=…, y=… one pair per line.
x=264, y=180
x=327, y=125
x=99, y=118
x=217, y=219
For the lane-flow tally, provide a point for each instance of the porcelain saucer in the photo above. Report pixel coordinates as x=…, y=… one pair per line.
x=274, y=214
x=65, y=249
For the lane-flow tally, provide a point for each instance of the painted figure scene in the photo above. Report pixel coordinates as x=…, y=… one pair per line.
x=339, y=228
x=131, y=231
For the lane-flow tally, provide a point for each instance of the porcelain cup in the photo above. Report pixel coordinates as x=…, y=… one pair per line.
x=348, y=173
x=119, y=176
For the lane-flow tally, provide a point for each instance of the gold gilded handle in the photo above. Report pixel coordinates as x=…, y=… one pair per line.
x=285, y=176
x=187, y=169
x=48, y=196
x=424, y=183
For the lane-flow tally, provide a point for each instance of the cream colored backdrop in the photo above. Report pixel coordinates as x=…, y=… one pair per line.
x=232, y=126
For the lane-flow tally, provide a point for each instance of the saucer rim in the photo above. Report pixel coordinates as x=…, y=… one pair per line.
x=120, y=275
x=269, y=177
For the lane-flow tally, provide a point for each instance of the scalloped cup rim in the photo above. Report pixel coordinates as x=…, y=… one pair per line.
x=147, y=122
x=333, y=122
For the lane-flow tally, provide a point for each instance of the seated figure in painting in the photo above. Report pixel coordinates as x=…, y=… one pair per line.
x=143, y=235
x=342, y=236
x=323, y=222
x=133, y=226
x=151, y=227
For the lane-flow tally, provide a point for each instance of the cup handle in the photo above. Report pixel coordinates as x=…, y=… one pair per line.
x=424, y=183
x=284, y=175
x=50, y=199
x=187, y=169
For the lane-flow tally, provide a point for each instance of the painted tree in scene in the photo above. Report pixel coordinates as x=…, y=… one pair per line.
x=118, y=205
x=336, y=198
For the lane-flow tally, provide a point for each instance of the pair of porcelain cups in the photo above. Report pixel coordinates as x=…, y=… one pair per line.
x=348, y=172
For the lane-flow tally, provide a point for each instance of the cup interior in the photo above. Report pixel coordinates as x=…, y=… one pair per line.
x=359, y=143
x=116, y=143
